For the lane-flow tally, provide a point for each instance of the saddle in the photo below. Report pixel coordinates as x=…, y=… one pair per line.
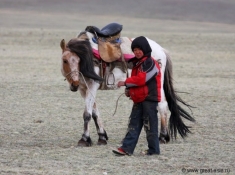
x=109, y=30
x=108, y=40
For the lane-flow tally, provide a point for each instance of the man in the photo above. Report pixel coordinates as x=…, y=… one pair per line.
x=143, y=87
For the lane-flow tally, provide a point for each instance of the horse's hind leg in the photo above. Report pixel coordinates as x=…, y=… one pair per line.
x=164, y=135
x=99, y=127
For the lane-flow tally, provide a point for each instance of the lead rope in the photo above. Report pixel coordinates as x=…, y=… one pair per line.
x=117, y=104
x=95, y=98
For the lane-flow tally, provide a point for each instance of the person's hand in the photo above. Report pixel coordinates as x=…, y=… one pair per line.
x=127, y=92
x=121, y=83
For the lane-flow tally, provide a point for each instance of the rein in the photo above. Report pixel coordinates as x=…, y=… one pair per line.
x=70, y=77
x=95, y=98
x=69, y=74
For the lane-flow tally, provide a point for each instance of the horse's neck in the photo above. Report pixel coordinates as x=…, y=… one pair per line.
x=126, y=48
x=83, y=36
x=126, y=45
x=94, y=46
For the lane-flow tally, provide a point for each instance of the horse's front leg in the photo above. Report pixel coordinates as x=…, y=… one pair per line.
x=88, y=93
x=86, y=140
x=103, y=137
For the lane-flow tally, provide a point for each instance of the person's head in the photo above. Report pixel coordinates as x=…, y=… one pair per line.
x=141, y=47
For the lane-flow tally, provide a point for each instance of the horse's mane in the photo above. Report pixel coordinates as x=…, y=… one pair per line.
x=83, y=50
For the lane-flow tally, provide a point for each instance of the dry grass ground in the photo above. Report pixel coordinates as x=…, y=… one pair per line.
x=41, y=120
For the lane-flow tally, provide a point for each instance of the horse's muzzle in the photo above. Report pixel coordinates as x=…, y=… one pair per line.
x=74, y=88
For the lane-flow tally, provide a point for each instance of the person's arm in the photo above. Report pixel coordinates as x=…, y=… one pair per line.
x=149, y=70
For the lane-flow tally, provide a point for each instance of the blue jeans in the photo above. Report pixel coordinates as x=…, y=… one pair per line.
x=142, y=114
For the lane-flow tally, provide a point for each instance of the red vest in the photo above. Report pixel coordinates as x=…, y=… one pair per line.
x=145, y=85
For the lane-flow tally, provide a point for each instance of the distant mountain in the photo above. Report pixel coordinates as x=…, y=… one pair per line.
x=215, y=11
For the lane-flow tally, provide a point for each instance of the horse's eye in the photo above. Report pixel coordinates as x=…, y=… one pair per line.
x=65, y=61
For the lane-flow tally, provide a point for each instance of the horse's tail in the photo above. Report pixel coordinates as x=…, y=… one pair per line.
x=177, y=112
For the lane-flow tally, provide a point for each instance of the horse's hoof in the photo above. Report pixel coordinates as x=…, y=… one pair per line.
x=162, y=141
x=164, y=138
x=84, y=143
x=102, y=142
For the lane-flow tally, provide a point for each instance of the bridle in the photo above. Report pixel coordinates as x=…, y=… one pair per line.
x=67, y=49
x=69, y=74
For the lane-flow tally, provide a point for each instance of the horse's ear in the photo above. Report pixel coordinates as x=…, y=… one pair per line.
x=62, y=45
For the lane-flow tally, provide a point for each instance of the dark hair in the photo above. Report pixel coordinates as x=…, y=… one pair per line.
x=142, y=43
x=83, y=50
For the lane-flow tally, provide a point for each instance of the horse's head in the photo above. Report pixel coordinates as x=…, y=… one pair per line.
x=70, y=66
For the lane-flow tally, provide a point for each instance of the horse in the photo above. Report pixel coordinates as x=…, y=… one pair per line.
x=86, y=72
